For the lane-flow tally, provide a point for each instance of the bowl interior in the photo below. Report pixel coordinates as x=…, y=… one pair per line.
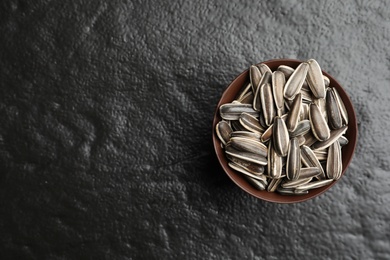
x=347, y=150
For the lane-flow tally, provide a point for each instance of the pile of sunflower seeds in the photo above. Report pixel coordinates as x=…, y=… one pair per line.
x=285, y=129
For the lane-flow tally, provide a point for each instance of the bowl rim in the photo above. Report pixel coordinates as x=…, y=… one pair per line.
x=283, y=199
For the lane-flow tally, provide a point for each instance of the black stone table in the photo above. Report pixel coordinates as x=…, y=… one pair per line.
x=105, y=129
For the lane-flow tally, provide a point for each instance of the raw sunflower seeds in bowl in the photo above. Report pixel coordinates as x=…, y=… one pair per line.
x=284, y=130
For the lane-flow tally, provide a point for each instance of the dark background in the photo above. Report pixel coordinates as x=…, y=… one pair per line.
x=105, y=129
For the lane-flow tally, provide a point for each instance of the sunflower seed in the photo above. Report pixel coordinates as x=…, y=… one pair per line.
x=246, y=134
x=236, y=126
x=247, y=89
x=223, y=130
x=310, y=139
x=296, y=183
x=302, y=128
x=290, y=191
x=251, y=167
x=321, y=103
x=286, y=70
x=266, y=78
x=280, y=136
x=293, y=115
x=342, y=108
x=257, y=184
x=240, y=169
x=251, y=123
x=309, y=172
x=334, y=135
x=255, y=76
x=343, y=140
x=250, y=157
x=267, y=102
x=315, y=79
x=274, y=184
x=262, y=121
x=313, y=185
x=334, y=164
x=232, y=111
x=249, y=145
x=247, y=98
x=332, y=110
x=321, y=151
x=306, y=96
x=326, y=81
x=264, y=68
x=266, y=136
x=294, y=83
x=278, y=82
x=310, y=160
x=268, y=132
x=293, y=165
x=320, y=156
x=274, y=163
x=318, y=124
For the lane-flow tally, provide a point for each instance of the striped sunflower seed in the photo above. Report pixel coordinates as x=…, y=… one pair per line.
x=255, y=76
x=309, y=172
x=249, y=145
x=236, y=126
x=267, y=102
x=295, y=82
x=309, y=159
x=250, y=157
x=257, y=184
x=293, y=165
x=313, y=185
x=295, y=183
x=343, y=140
x=251, y=167
x=244, y=91
x=319, y=126
x=274, y=184
x=334, y=164
x=333, y=110
x=342, y=108
x=251, y=123
x=266, y=78
x=232, y=111
x=275, y=164
x=246, y=134
x=223, y=130
x=334, y=135
x=290, y=191
x=278, y=82
x=264, y=68
x=247, y=98
x=280, y=136
x=315, y=79
x=302, y=128
x=293, y=115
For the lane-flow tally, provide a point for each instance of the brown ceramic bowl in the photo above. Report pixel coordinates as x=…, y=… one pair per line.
x=347, y=151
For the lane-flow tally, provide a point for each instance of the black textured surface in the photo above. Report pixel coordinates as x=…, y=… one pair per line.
x=105, y=129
